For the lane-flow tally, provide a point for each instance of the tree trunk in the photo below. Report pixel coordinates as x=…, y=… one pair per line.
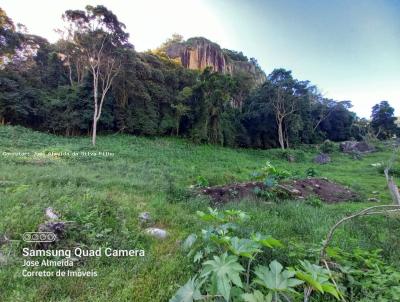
x=95, y=114
x=280, y=134
x=94, y=132
x=286, y=136
x=177, y=128
x=71, y=81
x=394, y=191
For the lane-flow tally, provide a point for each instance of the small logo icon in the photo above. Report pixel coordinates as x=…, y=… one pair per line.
x=39, y=237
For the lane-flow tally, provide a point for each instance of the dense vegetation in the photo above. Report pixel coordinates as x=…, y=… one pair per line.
x=263, y=247
x=104, y=195
x=50, y=87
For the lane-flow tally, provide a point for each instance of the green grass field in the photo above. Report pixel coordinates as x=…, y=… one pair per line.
x=103, y=196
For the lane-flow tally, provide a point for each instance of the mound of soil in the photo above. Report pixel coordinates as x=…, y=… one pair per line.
x=325, y=190
x=222, y=194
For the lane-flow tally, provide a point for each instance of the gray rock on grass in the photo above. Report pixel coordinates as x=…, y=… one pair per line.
x=322, y=159
x=157, y=233
x=356, y=147
x=51, y=214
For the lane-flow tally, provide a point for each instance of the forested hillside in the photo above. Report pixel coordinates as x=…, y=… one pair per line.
x=53, y=88
x=186, y=173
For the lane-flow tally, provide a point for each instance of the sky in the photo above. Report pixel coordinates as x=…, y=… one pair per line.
x=349, y=49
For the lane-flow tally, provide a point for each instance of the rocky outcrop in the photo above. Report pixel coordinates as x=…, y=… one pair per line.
x=354, y=146
x=199, y=53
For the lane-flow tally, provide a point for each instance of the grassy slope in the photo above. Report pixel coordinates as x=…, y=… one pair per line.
x=104, y=196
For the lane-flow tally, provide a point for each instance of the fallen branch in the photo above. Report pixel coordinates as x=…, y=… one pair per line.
x=383, y=209
x=333, y=280
x=394, y=190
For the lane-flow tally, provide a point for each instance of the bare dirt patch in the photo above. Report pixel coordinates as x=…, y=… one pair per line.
x=322, y=188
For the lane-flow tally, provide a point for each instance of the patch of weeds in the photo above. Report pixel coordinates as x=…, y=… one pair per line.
x=356, y=155
x=290, y=155
x=311, y=172
x=328, y=146
x=233, y=192
x=314, y=201
x=174, y=193
x=201, y=182
x=270, y=171
x=265, y=194
x=394, y=171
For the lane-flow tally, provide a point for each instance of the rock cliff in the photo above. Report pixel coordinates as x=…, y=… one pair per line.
x=199, y=53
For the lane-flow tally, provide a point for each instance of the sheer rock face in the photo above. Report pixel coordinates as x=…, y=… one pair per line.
x=199, y=53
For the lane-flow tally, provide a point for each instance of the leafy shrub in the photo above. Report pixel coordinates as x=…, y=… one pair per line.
x=311, y=172
x=265, y=194
x=201, y=182
x=174, y=193
x=366, y=276
x=328, y=146
x=226, y=269
x=314, y=201
x=270, y=171
x=394, y=171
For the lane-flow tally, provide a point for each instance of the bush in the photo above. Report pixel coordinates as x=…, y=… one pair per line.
x=367, y=277
x=314, y=201
x=327, y=146
x=311, y=172
x=202, y=182
x=270, y=171
x=394, y=171
x=226, y=270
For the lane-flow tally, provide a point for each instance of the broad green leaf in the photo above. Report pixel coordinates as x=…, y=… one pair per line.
x=189, y=241
x=275, y=278
x=188, y=293
x=220, y=239
x=310, y=280
x=317, y=277
x=256, y=296
x=212, y=215
x=198, y=256
x=224, y=271
x=244, y=247
x=266, y=240
x=331, y=289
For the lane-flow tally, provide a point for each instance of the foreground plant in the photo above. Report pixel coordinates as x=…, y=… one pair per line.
x=228, y=273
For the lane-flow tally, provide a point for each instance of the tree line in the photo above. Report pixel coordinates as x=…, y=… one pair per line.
x=92, y=79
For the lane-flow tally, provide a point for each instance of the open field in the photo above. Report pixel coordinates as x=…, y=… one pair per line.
x=103, y=196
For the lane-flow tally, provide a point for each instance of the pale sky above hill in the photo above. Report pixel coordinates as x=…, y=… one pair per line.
x=349, y=49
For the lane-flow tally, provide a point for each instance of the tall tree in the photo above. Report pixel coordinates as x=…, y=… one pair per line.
x=283, y=101
x=180, y=108
x=10, y=39
x=383, y=120
x=215, y=89
x=99, y=36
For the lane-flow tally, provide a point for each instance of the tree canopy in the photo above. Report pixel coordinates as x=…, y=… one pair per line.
x=56, y=87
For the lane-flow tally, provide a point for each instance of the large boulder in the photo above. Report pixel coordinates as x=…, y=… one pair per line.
x=356, y=147
x=322, y=159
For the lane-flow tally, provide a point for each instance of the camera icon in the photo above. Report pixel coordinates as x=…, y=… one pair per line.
x=39, y=237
